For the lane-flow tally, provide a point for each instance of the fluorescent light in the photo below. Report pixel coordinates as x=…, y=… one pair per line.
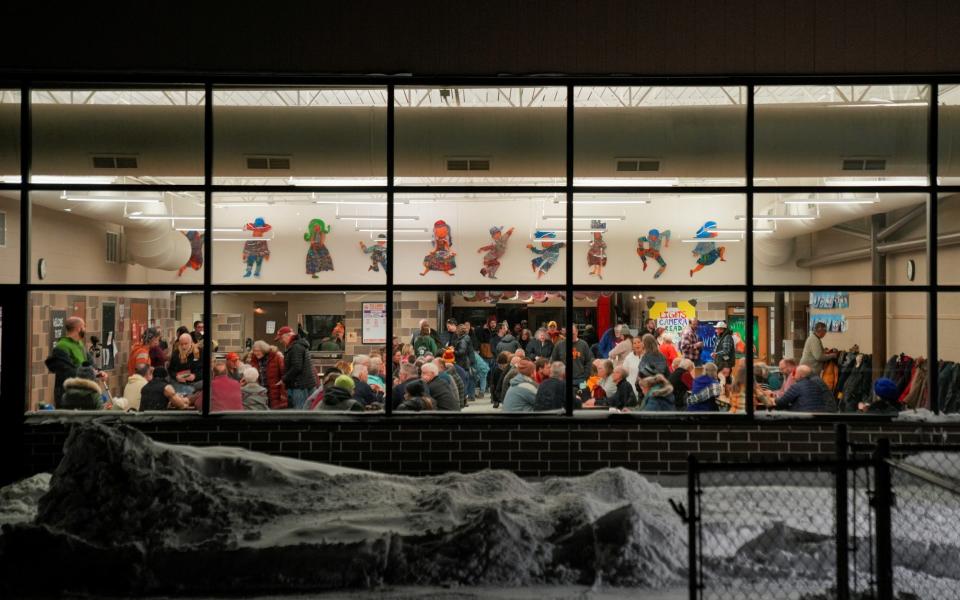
x=600, y=217
x=625, y=181
x=829, y=202
x=399, y=240
x=370, y=230
x=697, y=241
x=564, y=230
x=778, y=218
x=875, y=181
x=216, y=229
x=239, y=204
x=112, y=200
x=352, y=202
x=143, y=217
x=384, y=218
x=67, y=179
x=611, y=202
x=326, y=181
x=743, y=231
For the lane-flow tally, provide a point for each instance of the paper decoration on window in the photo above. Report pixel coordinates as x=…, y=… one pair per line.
x=256, y=250
x=377, y=253
x=597, y=251
x=707, y=252
x=195, y=261
x=442, y=258
x=650, y=246
x=547, y=254
x=494, y=250
x=318, y=256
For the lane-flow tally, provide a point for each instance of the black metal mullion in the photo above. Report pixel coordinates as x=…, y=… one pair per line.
x=568, y=283
x=26, y=162
x=391, y=259
x=933, y=298
x=748, y=304
x=207, y=351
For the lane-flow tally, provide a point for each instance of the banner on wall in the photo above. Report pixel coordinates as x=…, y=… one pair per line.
x=673, y=318
x=707, y=335
x=738, y=329
x=836, y=323
x=829, y=300
x=57, y=319
x=374, y=326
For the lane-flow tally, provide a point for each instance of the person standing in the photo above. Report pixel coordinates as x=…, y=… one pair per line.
x=668, y=350
x=814, y=356
x=68, y=355
x=300, y=376
x=582, y=357
x=725, y=351
x=268, y=361
x=690, y=344
x=463, y=352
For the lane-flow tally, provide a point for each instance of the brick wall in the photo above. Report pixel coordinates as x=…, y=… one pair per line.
x=534, y=446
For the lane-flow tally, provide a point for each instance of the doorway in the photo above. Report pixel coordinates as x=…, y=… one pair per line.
x=268, y=317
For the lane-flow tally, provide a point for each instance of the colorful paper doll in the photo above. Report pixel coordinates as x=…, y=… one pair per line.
x=547, y=254
x=707, y=253
x=494, y=251
x=195, y=261
x=318, y=257
x=442, y=257
x=597, y=251
x=650, y=245
x=377, y=252
x=255, y=251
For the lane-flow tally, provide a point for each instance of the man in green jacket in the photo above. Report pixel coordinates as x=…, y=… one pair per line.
x=68, y=355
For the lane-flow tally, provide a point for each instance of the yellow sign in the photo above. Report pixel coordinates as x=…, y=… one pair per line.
x=673, y=318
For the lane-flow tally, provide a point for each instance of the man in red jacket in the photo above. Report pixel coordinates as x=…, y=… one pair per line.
x=225, y=391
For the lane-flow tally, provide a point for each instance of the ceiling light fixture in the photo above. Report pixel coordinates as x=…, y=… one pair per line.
x=610, y=202
x=599, y=217
x=66, y=179
x=215, y=229
x=240, y=204
x=330, y=181
x=352, y=202
x=384, y=218
x=111, y=200
x=697, y=240
x=830, y=202
x=376, y=230
x=778, y=218
x=626, y=181
x=142, y=217
x=866, y=181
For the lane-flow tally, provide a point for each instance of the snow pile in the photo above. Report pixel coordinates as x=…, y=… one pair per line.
x=18, y=502
x=130, y=515
x=925, y=415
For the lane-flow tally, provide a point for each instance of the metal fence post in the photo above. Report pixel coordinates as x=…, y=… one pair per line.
x=693, y=516
x=883, y=505
x=843, y=535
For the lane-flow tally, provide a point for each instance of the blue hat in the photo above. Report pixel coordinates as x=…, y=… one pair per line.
x=654, y=233
x=259, y=222
x=886, y=389
x=540, y=234
x=707, y=230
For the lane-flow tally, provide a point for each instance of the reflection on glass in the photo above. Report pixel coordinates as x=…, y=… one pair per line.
x=480, y=352
x=299, y=351
x=117, y=351
x=480, y=136
x=841, y=135
x=117, y=237
x=480, y=238
x=300, y=238
x=300, y=136
x=661, y=238
x=103, y=137
x=825, y=238
x=660, y=136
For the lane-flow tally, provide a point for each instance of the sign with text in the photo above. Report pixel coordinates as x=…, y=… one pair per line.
x=57, y=318
x=673, y=318
x=374, y=325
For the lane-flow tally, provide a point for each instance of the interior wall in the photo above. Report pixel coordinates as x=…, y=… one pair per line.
x=10, y=252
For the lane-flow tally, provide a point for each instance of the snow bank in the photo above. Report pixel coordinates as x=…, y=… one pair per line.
x=925, y=415
x=125, y=514
x=18, y=502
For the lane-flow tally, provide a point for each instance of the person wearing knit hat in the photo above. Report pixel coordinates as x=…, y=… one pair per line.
x=887, y=397
x=521, y=396
x=449, y=356
x=339, y=396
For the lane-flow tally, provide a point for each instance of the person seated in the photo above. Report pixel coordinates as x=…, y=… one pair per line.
x=235, y=368
x=340, y=396
x=375, y=375
x=681, y=378
x=808, y=394
x=550, y=394
x=225, y=391
x=623, y=395
x=657, y=391
x=362, y=392
x=887, y=398
x=788, y=368
x=522, y=394
x=131, y=391
x=606, y=383
x=254, y=395
x=159, y=394
x=415, y=397
x=706, y=391
x=443, y=391
x=81, y=392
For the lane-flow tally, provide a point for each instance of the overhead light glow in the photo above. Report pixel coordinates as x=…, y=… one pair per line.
x=697, y=241
x=352, y=202
x=215, y=229
x=600, y=217
x=142, y=217
x=830, y=202
x=111, y=200
x=384, y=218
x=610, y=202
x=778, y=218
x=865, y=181
x=240, y=204
x=626, y=181
x=329, y=181
x=65, y=179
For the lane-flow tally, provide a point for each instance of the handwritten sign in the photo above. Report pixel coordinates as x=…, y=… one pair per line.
x=57, y=319
x=374, y=326
x=673, y=318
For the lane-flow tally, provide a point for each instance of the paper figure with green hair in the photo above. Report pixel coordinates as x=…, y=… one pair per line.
x=318, y=257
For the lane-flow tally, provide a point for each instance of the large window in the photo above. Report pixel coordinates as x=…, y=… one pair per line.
x=331, y=218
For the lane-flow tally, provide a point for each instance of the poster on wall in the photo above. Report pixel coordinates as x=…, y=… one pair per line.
x=707, y=335
x=836, y=323
x=673, y=318
x=829, y=300
x=374, y=326
x=57, y=318
x=109, y=336
x=737, y=329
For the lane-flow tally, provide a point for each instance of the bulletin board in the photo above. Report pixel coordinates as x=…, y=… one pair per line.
x=374, y=324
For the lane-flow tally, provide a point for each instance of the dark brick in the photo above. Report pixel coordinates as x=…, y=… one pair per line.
x=284, y=436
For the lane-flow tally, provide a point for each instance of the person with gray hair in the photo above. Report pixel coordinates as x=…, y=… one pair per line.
x=550, y=393
x=706, y=391
x=135, y=383
x=254, y=395
x=442, y=391
x=375, y=373
x=623, y=395
x=406, y=374
x=814, y=356
x=681, y=378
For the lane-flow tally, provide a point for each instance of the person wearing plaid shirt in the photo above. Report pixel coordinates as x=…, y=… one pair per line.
x=690, y=343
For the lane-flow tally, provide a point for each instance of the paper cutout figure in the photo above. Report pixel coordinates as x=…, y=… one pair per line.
x=195, y=261
x=547, y=255
x=597, y=251
x=255, y=251
x=707, y=253
x=650, y=245
x=494, y=251
x=377, y=252
x=442, y=257
x=318, y=256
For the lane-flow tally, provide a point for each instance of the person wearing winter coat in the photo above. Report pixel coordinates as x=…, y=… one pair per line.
x=814, y=356
x=682, y=381
x=254, y=396
x=500, y=368
x=582, y=357
x=539, y=346
x=657, y=391
x=186, y=367
x=443, y=391
x=415, y=398
x=68, y=355
x=522, y=395
x=623, y=396
x=481, y=373
x=808, y=394
x=81, y=392
x=135, y=383
x=268, y=361
x=668, y=349
x=706, y=391
x=652, y=357
x=300, y=376
x=507, y=342
x=887, y=398
x=551, y=393
x=622, y=350
x=159, y=393
x=725, y=351
x=425, y=342
x=463, y=350
x=610, y=339
x=339, y=396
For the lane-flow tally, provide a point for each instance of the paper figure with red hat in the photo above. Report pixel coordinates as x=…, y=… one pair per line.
x=442, y=258
x=650, y=246
x=707, y=252
x=377, y=253
x=494, y=250
x=256, y=250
